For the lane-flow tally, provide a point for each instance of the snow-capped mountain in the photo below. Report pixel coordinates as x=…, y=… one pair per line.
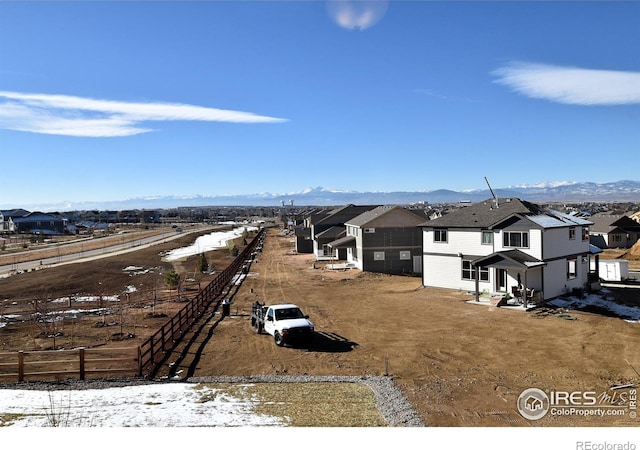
x=619, y=191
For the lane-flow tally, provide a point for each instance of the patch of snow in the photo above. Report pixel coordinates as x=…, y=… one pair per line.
x=166, y=405
x=212, y=241
x=593, y=300
x=87, y=298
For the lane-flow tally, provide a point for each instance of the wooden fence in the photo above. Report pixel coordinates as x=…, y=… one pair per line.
x=82, y=363
x=133, y=361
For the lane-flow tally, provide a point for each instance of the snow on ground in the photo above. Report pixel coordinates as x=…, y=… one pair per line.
x=211, y=241
x=169, y=405
x=629, y=313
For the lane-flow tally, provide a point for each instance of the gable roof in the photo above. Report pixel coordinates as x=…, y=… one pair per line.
x=404, y=216
x=489, y=213
x=608, y=223
x=342, y=214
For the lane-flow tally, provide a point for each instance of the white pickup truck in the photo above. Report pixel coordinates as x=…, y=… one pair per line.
x=286, y=323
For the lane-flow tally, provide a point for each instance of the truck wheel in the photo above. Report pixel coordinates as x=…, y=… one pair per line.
x=277, y=337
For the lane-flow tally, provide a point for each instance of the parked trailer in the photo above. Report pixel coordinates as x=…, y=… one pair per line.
x=612, y=270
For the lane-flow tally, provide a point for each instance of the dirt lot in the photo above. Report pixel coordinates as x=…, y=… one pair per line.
x=459, y=364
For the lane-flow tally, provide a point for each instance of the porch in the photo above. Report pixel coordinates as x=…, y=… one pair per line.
x=503, y=300
x=517, y=275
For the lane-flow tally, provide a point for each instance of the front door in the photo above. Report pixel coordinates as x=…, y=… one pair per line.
x=501, y=280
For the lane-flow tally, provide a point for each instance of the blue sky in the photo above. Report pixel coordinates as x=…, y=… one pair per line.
x=113, y=100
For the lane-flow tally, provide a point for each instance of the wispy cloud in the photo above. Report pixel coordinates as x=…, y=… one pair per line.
x=571, y=85
x=78, y=116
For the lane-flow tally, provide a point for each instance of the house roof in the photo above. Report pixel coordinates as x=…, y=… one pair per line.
x=509, y=258
x=609, y=222
x=343, y=214
x=331, y=233
x=344, y=242
x=37, y=216
x=490, y=213
x=14, y=212
x=405, y=217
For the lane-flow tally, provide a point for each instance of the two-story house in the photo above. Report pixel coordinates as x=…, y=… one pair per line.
x=500, y=245
x=7, y=219
x=40, y=223
x=327, y=227
x=614, y=231
x=386, y=239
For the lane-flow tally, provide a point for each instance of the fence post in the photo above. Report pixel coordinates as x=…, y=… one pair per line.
x=151, y=355
x=81, y=356
x=20, y=365
x=139, y=361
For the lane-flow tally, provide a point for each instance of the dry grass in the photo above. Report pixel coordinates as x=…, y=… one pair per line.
x=314, y=404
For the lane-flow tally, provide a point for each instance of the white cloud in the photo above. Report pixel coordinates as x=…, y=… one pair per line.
x=77, y=116
x=571, y=85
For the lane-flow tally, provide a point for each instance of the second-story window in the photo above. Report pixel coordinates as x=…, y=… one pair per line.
x=439, y=235
x=572, y=233
x=518, y=239
x=487, y=237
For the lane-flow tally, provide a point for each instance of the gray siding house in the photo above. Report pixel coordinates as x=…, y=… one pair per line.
x=333, y=218
x=614, y=231
x=386, y=239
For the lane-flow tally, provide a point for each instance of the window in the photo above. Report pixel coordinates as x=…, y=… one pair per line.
x=468, y=269
x=378, y=256
x=404, y=255
x=369, y=230
x=572, y=233
x=326, y=250
x=585, y=233
x=518, y=239
x=439, y=235
x=487, y=237
x=572, y=269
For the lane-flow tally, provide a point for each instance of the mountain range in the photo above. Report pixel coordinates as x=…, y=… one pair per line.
x=618, y=191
